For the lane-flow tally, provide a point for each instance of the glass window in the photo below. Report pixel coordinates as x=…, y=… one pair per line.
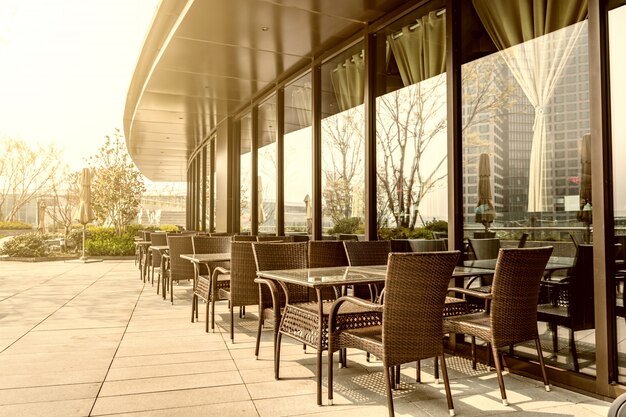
x=617, y=26
x=411, y=123
x=245, y=173
x=534, y=74
x=267, y=167
x=343, y=143
x=298, y=156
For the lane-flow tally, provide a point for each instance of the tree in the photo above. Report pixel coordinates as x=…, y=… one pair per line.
x=117, y=186
x=65, y=192
x=25, y=173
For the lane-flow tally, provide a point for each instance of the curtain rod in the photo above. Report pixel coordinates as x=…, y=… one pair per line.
x=417, y=24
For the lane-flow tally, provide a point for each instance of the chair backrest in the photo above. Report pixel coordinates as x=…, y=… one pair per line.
x=275, y=256
x=427, y=245
x=272, y=238
x=515, y=292
x=373, y=252
x=580, y=299
x=243, y=289
x=485, y=248
x=327, y=253
x=146, y=235
x=347, y=236
x=158, y=238
x=415, y=292
x=211, y=244
x=244, y=238
x=180, y=268
x=440, y=235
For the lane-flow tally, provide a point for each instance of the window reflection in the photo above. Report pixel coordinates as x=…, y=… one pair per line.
x=267, y=167
x=411, y=123
x=298, y=156
x=245, y=174
x=343, y=143
x=526, y=112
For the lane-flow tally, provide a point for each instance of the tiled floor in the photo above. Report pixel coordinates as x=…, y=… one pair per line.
x=92, y=339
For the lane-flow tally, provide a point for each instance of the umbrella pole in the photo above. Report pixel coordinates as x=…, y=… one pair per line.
x=83, y=257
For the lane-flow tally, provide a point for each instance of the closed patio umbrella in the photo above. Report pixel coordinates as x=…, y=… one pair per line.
x=585, y=214
x=84, y=214
x=485, y=211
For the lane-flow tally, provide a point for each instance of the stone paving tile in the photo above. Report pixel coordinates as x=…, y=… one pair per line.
x=82, y=336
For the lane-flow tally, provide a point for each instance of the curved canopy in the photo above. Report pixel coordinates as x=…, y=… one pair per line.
x=205, y=59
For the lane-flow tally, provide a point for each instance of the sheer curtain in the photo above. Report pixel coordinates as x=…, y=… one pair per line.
x=301, y=98
x=536, y=38
x=348, y=82
x=420, y=49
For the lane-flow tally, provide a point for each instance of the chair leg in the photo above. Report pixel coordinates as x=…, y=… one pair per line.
x=489, y=350
x=572, y=346
x=232, y=326
x=418, y=372
x=277, y=356
x=206, y=318
x=388, y=383
x=542, y=364
x=258, y=335
x=555, y=337
x=436, y=366
x=330, y=372
x=496, y=359
x=212, y=313
x=172, y=291
x=193, y=306
x=319, y=377
x=446, y=384
x=474, y=352
x=397, y=382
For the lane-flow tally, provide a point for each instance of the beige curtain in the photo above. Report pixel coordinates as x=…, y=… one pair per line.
x=420, y=49
x=348, y=82
x=536, y=38
x=301, y=98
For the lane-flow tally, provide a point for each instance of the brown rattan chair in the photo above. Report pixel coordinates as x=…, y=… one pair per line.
x=412, y=317
x=242, y=291
x=180, y=269
x=327, y=253
x=374, y=252
x=272, y=238
x=244, y=238
x=202, y=286
x=569, y=302
x=157, y=239
x=512, y=314
x=273, y=256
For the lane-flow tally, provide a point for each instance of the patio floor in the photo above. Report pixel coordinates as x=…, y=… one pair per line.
x=93, y=340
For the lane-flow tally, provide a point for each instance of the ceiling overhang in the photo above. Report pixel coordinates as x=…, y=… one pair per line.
x=204, y=60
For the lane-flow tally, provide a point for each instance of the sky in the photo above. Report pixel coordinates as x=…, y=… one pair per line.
x=65, y=69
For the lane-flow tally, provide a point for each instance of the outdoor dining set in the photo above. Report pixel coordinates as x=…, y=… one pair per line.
x=389, y=299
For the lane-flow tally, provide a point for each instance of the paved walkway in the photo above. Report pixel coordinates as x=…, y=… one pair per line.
x=93, y=340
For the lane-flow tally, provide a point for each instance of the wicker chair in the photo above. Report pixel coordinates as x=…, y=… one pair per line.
x=327, y=253
x=242, y=291
x=361, y=253
x=272, y=238
x=244, y=238
x=570, y=301
x=512, y=314
x=274, y=256
x=412, y=312
x=202, y=286
x=180, y=269
x=157, y=239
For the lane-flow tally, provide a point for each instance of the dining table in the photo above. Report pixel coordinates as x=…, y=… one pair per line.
x=317, y=279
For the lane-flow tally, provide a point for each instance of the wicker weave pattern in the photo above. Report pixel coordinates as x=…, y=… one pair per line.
x=243, y=291
x=373, y=252
x=244, y=238
x=270, y=238
x=206, y=244
x=327, y=253
x=180, y=269
x=157, y=239
x=274, y=256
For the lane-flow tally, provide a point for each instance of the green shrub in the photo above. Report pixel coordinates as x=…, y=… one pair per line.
x=15, y=226
x=169, y=228
x=404, y=233
x=348, y=225
x=437, y=225
x=27, y=245
x=103, y=241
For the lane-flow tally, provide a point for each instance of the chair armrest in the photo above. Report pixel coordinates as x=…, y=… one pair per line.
x=334, y=310
x=470, y=292
x=274, y=291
